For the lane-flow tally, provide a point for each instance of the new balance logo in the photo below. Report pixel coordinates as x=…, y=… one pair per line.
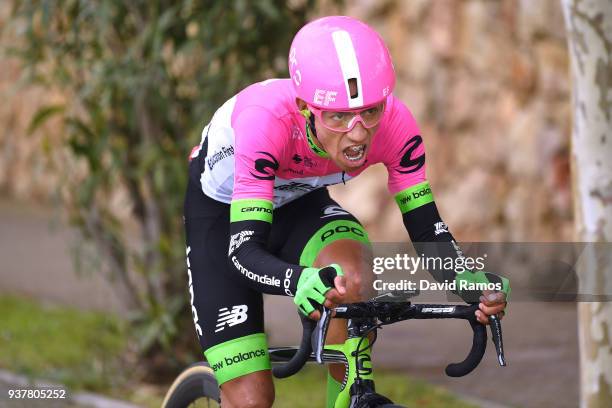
x=440, y=228
x=333, y=210
x=238, y=239
x=239, y=358
x=227, y=317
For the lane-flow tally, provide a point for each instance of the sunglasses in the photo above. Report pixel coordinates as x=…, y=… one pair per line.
x=344, y=121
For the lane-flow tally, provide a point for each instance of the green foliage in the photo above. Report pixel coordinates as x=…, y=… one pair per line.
x=79, y=349
x=140, y=80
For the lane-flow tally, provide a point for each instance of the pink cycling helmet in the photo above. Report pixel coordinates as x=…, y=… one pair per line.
x=326, y=54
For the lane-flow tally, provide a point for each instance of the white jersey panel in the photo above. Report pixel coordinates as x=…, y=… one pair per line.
x=218, y=176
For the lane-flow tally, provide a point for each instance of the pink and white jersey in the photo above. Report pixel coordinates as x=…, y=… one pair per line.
x=256, y=147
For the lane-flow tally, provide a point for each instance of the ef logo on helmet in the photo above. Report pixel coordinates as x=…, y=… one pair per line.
x=328, y=52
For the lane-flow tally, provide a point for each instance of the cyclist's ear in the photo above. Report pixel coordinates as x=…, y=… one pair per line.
x=301, y=105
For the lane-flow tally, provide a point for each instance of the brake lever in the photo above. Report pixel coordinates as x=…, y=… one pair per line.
x=496, y=336
x=320, y=333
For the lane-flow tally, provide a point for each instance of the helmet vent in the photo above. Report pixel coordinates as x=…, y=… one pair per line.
x=353, y=88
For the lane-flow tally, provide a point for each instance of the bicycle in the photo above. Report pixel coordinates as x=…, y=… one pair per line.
x=364, y=318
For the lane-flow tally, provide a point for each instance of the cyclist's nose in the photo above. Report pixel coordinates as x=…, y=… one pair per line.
x=358, y=134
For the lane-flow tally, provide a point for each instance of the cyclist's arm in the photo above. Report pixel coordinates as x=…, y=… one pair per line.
x=250, y=223
x=429, y=234
x=256, y=161
x=407, y=181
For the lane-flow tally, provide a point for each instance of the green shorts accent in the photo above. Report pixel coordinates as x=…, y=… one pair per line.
x=331, y=232
x=239, y=357
x=414, y=197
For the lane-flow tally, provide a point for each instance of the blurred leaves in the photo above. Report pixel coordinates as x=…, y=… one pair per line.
x=140, y=80
x=43, y=114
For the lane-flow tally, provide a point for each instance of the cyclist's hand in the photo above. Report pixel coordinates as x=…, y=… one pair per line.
x=336, y=294
x=319, y=287
x=491, y=303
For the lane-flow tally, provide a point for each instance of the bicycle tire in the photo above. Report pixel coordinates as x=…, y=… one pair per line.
x=197, y=383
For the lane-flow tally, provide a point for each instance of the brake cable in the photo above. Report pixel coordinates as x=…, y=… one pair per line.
x=358, y=351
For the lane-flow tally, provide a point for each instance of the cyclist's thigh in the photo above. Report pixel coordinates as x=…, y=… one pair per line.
x=228, y=316
x=304, y=227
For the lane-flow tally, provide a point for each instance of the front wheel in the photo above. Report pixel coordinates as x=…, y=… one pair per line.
x=194, y=387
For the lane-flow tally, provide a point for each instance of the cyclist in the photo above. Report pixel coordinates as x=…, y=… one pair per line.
x=257, y=186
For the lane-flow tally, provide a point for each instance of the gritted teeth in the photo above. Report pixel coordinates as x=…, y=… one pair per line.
x=354, y=153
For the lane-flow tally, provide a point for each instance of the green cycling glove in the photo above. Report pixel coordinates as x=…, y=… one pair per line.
x=312, y=286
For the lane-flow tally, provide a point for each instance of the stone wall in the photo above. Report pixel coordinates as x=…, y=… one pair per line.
x=25, y=172
x=487, y=81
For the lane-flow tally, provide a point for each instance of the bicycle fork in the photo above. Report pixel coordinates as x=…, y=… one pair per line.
x=358, y=376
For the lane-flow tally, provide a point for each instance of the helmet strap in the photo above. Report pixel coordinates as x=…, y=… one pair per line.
x=311, y=134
